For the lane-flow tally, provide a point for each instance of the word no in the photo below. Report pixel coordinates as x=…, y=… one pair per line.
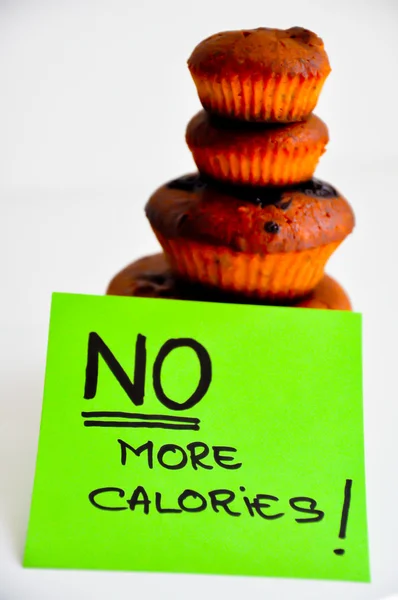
x=135, y=389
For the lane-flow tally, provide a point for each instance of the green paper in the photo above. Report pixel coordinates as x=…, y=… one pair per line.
x=280, y=389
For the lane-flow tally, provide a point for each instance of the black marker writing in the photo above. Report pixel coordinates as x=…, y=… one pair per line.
x=185, y=505
x=106, y=490
x=204, y=379
x=182, y=458
x=135, y=388
x=344, y=515
x=261, y=502
x=140, y=498
x=148, y=447
x=173, y=456
x=221, y=501
x=310, y=509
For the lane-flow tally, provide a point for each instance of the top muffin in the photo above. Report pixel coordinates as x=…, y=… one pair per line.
x=262, y=74
x=262, y=51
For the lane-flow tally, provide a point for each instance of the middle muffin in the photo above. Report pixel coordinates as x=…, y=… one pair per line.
x=256, y=154
x=261, y=242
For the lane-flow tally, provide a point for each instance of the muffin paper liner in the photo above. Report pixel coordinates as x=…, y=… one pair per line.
x=282, y=99
x=268, y=165
x=272, y=276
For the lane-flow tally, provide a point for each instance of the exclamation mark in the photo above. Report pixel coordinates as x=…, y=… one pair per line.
x=344, y=514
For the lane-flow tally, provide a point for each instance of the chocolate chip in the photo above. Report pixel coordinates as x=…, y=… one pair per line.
x=181, y=220
x=284, y=205
x=317, y=189
x=271, y=227
x=262, y=196
x=158, y=278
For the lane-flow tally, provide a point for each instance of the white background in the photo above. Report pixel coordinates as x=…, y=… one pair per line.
x=94, y=100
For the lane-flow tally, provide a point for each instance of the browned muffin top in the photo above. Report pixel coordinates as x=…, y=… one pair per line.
x=262, y=51
x=261, y=220
x=208, y=131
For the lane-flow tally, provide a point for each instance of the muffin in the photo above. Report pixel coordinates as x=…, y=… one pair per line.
x=151, y=277
x=256, y=154
x=257, y=241
x=263, y=74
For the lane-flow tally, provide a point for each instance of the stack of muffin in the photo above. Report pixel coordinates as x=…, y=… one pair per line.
x=252, y=225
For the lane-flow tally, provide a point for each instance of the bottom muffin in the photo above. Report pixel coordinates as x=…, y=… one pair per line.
x=151, y=277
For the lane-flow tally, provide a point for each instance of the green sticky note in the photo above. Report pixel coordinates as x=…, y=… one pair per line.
x=201, y=438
